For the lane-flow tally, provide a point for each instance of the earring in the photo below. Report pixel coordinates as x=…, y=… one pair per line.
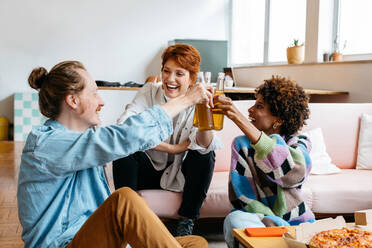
x=275, y=125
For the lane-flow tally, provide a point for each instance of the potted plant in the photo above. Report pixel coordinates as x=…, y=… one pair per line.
x=296, y=53
x=337, y=54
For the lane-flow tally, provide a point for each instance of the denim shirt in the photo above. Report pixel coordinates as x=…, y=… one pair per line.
x=61, y=180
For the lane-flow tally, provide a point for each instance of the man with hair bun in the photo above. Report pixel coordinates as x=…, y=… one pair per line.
x=63, y=196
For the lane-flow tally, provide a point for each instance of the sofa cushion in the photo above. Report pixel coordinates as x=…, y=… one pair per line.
x=321, y=161
x=364, y=160
x=344, y=192
x=307, y=196
x=215, y=205
x=166, y=203
x=340, y=126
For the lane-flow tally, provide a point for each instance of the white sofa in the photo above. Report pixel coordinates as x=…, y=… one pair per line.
x=326, y=195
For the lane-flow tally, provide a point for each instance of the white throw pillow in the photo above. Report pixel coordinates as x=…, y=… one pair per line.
x=320, y=159
x=364, y=159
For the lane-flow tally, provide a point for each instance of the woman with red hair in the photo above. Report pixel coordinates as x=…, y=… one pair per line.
x=185, y=161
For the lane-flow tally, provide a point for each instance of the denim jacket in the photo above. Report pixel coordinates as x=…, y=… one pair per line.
x=61, y=180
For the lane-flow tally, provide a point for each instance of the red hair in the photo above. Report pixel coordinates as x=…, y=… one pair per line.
x=187, y=56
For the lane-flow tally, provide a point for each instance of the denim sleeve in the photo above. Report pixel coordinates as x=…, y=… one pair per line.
x=65, y=151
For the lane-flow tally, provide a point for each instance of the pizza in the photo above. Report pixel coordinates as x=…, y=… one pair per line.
x=342, y=238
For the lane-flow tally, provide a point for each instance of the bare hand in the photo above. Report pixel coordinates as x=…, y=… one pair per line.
x=179, y=148
x=225, y=106
x=201, y=94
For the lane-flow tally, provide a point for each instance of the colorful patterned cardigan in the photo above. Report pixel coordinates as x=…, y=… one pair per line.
x=266, y=178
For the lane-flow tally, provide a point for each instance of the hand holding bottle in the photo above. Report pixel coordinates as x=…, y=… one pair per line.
x=201, y=94
x=198, y=94
x=225, y=106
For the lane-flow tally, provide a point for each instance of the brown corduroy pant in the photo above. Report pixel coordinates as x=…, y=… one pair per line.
x=126, y=218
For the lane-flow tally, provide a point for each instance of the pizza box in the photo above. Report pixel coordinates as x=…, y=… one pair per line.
x=305, y=231
x=363, y=217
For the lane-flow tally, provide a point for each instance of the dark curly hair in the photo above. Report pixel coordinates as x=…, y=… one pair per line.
x=288, y=101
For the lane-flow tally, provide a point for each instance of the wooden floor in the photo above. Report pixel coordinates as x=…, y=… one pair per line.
x=10, y=229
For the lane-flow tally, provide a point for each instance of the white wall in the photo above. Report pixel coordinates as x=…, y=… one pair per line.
x=117, y=40
x=115, y=103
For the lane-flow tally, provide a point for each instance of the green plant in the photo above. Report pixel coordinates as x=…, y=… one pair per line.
x=296, y=43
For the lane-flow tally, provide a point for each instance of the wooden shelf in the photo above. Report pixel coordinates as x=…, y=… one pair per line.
x=246, y=93
x=307, y=91
x=243, y=90
x=117, y=88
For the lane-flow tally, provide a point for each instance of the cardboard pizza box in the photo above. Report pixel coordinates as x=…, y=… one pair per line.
x=363, y=217
x=305, y=231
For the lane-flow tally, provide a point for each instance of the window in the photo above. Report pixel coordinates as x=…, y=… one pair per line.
x=287, y=22
x=354, y=24
x=262, y=29
x=248, y=26
x=272, y=22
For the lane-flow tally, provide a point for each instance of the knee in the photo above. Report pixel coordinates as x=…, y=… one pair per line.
x=124, y=192
x=208, y=158
x=231, y=221
x=238, y=219
x=200, y=241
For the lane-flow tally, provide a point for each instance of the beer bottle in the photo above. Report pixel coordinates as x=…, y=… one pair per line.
x=199, y=78
x=203, y=115
x=219, y=90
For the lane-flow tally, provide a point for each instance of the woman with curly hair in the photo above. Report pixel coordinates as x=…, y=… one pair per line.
x=271, y=161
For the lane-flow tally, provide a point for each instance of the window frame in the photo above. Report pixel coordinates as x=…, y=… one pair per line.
x=312, y=49
x=336, y=32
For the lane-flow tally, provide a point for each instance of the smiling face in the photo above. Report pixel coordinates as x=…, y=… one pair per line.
x=262, y=118
x=176, y=80
x=90, y=102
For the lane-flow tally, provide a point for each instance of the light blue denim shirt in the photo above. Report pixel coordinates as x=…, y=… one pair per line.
x=61, y=180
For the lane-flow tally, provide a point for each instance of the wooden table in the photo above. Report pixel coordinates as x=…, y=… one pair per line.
x=240, y=237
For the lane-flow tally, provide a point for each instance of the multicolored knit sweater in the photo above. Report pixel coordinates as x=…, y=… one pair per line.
x=266, y=178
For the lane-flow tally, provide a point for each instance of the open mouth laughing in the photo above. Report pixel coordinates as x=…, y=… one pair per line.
x=172, y=87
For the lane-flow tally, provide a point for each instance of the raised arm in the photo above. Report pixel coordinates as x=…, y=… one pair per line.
x=75, y=151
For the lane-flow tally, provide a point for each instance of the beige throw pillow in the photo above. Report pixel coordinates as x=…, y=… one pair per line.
x=320, y=159
x=364, y=159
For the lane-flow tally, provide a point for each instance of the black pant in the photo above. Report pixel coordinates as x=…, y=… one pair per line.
x=137, y=172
